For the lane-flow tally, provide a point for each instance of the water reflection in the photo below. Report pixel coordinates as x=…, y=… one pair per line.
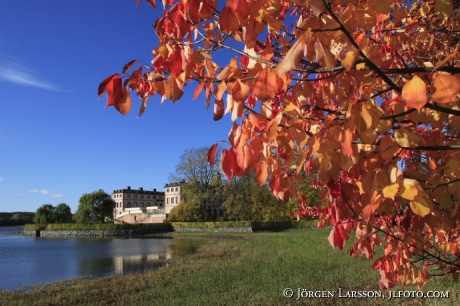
x=30, y=260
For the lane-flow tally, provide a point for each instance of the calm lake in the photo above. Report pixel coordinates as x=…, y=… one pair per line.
x=26, y=261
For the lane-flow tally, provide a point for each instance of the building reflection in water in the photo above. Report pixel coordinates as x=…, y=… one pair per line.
x=129, y=264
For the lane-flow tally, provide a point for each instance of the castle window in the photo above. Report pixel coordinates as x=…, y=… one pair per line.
x=167, y=201
x=177, y=200
x=129, y=195
x=172, y=200
x=177, y=189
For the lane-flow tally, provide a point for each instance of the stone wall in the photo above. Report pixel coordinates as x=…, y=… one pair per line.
x=98, y=233
x=127, y=233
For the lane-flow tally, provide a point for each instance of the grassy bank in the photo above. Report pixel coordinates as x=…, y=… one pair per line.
x=251, y=269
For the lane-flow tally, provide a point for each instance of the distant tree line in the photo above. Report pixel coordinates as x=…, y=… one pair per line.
x=16, y=218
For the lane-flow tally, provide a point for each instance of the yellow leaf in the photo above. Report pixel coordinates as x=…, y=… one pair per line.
x=410, y=189
x=349, y=60
x=390, y=191
x=289, y=108
x=388, y=147
x=444, y=8
x=421, y=205
x=446, y=88
x=414, y=92
x=405, y=139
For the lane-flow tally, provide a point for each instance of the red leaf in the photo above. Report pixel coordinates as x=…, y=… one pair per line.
x=129, y=65
x=212, y=155
x=177, y=62
x=228, y=20
x=114, y=92
x=218, y=109
x=103, y=86
x=152, y=3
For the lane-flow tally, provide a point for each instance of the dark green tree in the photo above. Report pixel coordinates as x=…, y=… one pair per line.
x=45, y=214
x=63, y=214
x=94, y=207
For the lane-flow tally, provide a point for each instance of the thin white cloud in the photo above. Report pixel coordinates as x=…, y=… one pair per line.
x=2, y=178
x=46, y=192
x=15, y=72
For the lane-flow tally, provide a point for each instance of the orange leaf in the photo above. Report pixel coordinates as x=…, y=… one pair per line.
x=124, y=104
x=198, y=90
x=173, y=90
x=261, y=172
x=291, y=59
x=267, y=84
x=220, y=89
x=240, y=91
x=346, y=143
x=414, y=92
x=446, y=88
x=324, y=56
x=212, y=155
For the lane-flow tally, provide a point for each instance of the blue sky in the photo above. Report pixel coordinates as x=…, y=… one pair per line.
x=57, y=140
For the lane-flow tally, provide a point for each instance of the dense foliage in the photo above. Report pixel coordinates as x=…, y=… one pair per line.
x=363, y=93
x=47, y=213
x=94, y=207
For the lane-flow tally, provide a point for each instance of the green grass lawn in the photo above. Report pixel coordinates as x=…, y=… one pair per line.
x=251, y=269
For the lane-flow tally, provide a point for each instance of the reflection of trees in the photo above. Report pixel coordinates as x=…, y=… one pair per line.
x=184, y=247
